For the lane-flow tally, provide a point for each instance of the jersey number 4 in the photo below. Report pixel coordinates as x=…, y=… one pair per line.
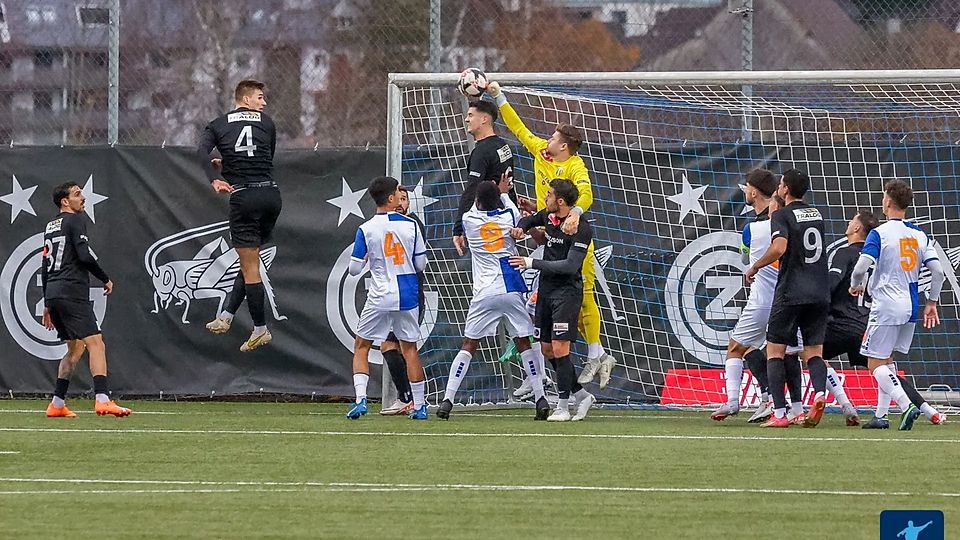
x=909, y=253
x=394, y=250
x=245, y=142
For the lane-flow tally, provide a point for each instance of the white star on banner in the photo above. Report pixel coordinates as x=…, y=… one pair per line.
x=419, y=202
x=93, y=198
x=19, y=200
x=348, y=202
x=746, y=207
x=688, y=199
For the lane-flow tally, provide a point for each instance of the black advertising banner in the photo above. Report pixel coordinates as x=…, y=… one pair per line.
x=667, y=239
x=160, y=232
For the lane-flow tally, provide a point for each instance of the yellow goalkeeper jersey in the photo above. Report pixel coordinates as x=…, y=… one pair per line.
x=545, y=168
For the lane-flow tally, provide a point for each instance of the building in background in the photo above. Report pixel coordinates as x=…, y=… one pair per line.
x=326, y=61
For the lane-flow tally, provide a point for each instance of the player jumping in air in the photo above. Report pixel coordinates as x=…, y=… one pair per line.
x=247, y=140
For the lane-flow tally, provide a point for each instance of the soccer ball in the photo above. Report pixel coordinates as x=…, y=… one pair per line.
x=473, y=83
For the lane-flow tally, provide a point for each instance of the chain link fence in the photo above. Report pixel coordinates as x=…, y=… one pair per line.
x=326, y=61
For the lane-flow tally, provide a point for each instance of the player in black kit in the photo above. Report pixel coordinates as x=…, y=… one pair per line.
x=848, y=317
x=560, y=293
x=246, y=139
x=800, y=299
x=491, y=160
x=65, y=272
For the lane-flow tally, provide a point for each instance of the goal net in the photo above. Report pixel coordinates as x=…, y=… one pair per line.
x=667, y=154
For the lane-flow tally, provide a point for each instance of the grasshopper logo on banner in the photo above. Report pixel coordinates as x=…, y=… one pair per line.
x=209, y=273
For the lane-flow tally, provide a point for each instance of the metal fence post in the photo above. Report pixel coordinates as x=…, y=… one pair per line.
x=113, y=75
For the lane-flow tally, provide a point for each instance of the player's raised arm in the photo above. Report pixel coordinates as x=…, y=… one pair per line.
x=531, y=142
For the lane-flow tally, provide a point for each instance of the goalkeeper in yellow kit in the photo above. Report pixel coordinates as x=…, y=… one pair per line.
x=557, y=158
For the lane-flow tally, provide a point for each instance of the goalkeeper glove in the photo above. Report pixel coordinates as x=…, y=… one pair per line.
x=493, y=88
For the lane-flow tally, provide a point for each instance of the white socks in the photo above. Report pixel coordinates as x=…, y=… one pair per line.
x=360, y=385
x=417, y=389
x=226, y=316
x=257, y=330
x=734, y=370
x=458, y=370
x=103, y=398
x=57, y=402
x=595, y=350
x=835, y=386
x=889, y=384
x=928, y=411
x=534, y=369
x=883, y=404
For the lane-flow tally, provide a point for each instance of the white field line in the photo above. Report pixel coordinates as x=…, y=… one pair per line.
x=204, y=486
x=8, y=452
x=527, y=411
x=138, y=412
x=477, y=435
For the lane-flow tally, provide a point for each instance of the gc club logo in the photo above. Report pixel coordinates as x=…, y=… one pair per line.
x=22, y=301
x=343, y=295
x=701, y=285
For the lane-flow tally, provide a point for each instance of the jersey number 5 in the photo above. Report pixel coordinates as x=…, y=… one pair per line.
x=909, y=253
x=394, y=250
x=492, y=236
x=245, y=141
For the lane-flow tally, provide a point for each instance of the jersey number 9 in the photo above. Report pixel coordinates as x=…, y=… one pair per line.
x=492, y=236
x=813, y=242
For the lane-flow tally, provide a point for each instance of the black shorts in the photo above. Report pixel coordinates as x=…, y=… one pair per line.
x=810, y=319
x=73, y=319
x=557, y=315
x=843, y=341
x=253, y=213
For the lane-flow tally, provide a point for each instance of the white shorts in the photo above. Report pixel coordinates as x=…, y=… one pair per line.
x=751, y=328
x=375, y=324
x=485, y=314
x=880, y=341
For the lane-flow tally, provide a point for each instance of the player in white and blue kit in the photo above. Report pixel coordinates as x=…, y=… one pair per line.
x=749, y=335
x=498, y=292
x=395, y=249
x=898, y=249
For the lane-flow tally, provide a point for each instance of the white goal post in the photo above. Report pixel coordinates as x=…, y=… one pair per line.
x=667, y=152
